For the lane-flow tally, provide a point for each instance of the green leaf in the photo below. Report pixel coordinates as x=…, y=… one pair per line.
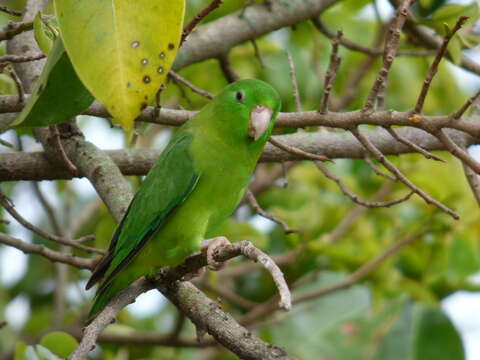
x=420, y=333
x=394, y=345
x=427, y=7
x=58, y=95
x=44, y=34
x=7, y=85
x=60, y=343
x=20, y=349
x=454, y=11
x=436, y=338
x=122, y=50
x=455, y=50
x=303, y=330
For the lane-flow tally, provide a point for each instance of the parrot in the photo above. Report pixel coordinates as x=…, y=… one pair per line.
x=193, y=187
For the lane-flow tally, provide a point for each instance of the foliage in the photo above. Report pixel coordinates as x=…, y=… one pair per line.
x=392, y=314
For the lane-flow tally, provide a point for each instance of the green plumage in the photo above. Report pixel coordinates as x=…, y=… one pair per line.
x=194, y=186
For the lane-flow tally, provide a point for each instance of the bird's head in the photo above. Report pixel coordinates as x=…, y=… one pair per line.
x=249, y=108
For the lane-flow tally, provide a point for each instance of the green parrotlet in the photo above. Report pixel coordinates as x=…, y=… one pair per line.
x=194, y=186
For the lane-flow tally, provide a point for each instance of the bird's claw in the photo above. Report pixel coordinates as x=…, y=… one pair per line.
x=209, y=246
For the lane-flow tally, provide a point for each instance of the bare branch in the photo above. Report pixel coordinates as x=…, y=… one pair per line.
x=57, y=145
x=201, y=310
x=7, y=204
x=297, y=151
x=216, y=38
x=197, y=18
x=52, y=216
x=415, y=147
x=390, y=51
x=457, y=115
x=434, y=66
x=16, y=166
x=355, y=198
x=331, y=73
x=9, y=11
x=473, y=181
x=13, y=29
x=227, y=69
x=380, y=157
x=360, y=273
x=294, y=82
x=270, y=306
x=378, y=171
x=358, y=210
x=55, y=256
x=372, y=52
x=457, y=151
x=188, y=84
x=19, y=59
x=258, y=209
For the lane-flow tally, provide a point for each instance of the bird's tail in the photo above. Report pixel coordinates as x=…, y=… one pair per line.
x=103, y=297
x=101, y=301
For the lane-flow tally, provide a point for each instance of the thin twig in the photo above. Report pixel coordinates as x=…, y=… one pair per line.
x=360, y=273
x=457, y=115
x=372, y=52
x=473, y=181
x=415, y=147
x=258, y=54
x=294, y=82
x=54, y=256
x=52, y=216
x=197, y=18
x=457, y=151
x=390, y=52
x=178, y=327
x=354, y=197
x=352, y=85
x=297, y=151
x=434, y=66
x=7, y=204
x=18, y=85
x=271, y=305
x=13, y=29
x=20, y=59
x=380, y=157
x=258, y=209
x=188, y=84
x=10, y=11
x=227, y=69
x=377, y=170
x=358, y=210
x=331, y=73
x=55, y=136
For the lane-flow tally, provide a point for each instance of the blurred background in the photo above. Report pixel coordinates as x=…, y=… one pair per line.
x=423, y=300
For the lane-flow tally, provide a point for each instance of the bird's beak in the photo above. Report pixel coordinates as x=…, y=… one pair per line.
x=259, y=120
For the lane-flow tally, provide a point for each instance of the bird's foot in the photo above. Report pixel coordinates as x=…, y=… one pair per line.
x=209, y=246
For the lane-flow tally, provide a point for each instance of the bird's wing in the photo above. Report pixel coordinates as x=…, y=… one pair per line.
x=167, y=185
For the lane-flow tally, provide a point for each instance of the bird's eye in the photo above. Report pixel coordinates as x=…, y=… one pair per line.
x=239, y=96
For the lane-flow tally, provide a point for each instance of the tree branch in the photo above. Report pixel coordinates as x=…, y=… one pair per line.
x=17, y=166
x=204, y=313
x=55, y=256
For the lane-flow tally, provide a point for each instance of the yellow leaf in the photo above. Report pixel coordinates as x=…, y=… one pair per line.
x=122, y=50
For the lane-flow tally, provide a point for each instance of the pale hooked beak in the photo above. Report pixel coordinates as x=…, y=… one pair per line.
x=259, y=120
